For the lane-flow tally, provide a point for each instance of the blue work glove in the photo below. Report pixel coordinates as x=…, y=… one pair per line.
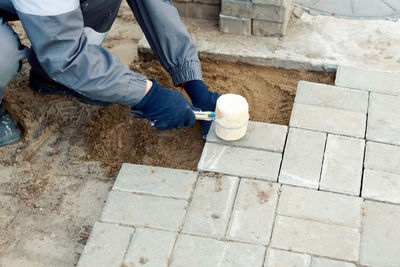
x=202, y=98
x=166, y=109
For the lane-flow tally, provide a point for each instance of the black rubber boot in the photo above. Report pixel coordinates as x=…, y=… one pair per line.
x=44, y=85
x=9, y=131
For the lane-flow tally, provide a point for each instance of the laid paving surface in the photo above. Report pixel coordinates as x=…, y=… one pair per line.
x=324, y=191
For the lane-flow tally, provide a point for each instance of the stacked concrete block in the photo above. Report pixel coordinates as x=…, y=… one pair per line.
x=258, y=17
x=199, y=9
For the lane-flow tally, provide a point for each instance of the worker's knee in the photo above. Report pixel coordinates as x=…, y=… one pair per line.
x=11, y=53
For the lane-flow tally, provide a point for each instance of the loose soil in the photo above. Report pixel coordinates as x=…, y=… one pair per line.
x=113, y=137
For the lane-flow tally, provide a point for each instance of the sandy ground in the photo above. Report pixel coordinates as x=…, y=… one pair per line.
x=54, y=183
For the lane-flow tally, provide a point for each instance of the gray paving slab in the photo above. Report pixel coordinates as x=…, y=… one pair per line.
x=150, y=247
x=384, y=119
x=211, y=206
x=106, y=246
x=141, y=210
x=239, y=161
x=380, y=235
x=277, y=257
x=343, y=163
x=320, y=206
x=323, y=262
x=302, y=159
x=254, y=211
x=320, y=239
x=328, y=120
x=382, y=157
x=205, y=252
x=367, y=79
x=259, y=135
x=155, y=180
x=331, y=97
x=380, y=185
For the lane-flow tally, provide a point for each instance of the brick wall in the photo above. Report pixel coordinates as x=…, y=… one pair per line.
x=258, y=17
x=199, y=9
x=244, y=17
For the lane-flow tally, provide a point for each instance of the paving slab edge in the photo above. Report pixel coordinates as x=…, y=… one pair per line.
x=145, y=52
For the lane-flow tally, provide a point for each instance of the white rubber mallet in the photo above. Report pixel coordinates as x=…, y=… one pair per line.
x=231, y=117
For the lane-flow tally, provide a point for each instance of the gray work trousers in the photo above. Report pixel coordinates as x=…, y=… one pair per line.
x=71, y=54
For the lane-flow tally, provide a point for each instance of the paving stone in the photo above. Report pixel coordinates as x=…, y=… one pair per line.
x=328, y=120
x=343, y=163
x=329, y=96
x=140, y=210
x=254, y=211
x=198, y=10
x=384, y=119
x=380, y=235
x=150, y=247
x=379, y=185
x=234, y=25
x=238, y=161
x=320, y=206
x=106, y=246
x=211, y=206
x=246, y=9
x=333, y=241
x=382, y=157
x=366, y=79
x=155, y=180
x=267, y=28
x=205, y=252
x=322, y=262
x=259, y=135
x=302, y=159
x=276, y=258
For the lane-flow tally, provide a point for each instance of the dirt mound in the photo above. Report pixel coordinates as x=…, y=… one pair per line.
x=113, y=137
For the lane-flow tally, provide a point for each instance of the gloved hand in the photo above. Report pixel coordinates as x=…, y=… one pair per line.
x=202, y=98
x=166, y=109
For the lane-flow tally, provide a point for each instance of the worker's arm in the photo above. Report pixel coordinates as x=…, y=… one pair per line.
x=176, y=51
x=56, y=32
